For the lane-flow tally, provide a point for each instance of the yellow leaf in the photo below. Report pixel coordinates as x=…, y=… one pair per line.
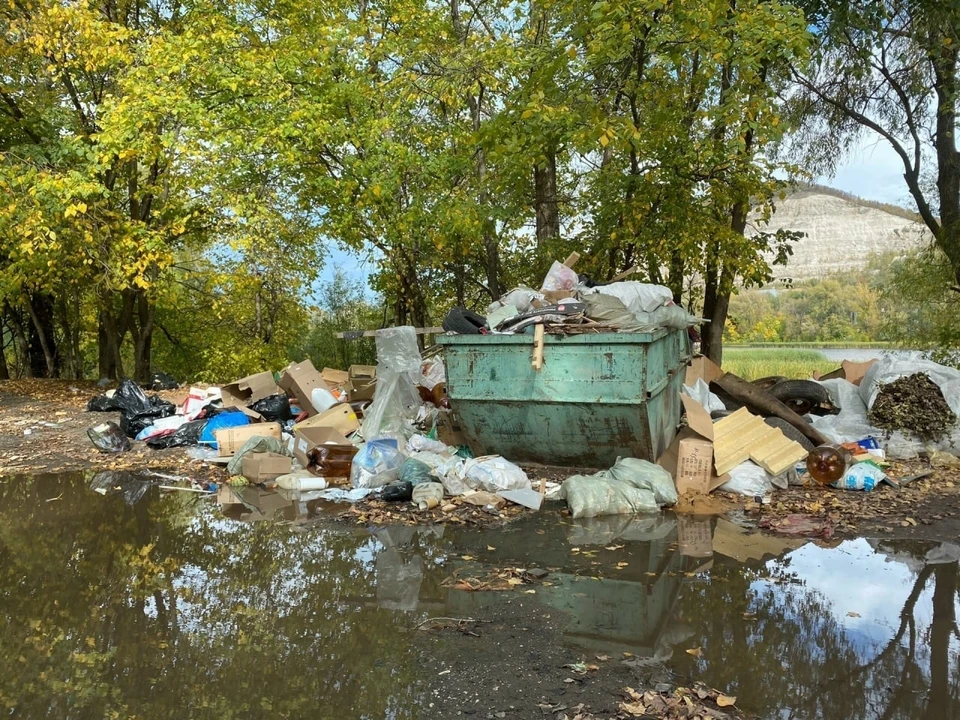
x=466, y=557
x=726, y=701
x=604, y=140
x=696, y=652
x=634, y=709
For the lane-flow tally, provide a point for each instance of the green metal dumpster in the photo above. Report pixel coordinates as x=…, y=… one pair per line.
x=598, y=397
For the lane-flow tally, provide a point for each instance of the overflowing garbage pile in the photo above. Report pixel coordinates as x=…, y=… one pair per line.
x=568, y=303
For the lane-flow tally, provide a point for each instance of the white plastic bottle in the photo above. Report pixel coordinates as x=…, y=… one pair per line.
x=322, y=399
x=302, y=481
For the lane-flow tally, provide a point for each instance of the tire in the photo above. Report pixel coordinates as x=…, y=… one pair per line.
x=801, y=396
x=768, y=382
x=790, y=431
x=464, y=322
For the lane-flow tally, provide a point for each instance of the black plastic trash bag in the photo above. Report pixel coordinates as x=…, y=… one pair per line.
x=186, y=435
x=398, y=491
x=108, y=438
x=133, y=425
x=274, y=408
x=162, y=381
x=100, y=403
x=130, y=485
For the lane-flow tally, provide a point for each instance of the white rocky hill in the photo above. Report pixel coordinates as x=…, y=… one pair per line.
x=842, y=232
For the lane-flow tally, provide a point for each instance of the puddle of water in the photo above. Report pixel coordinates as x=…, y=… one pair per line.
x=170, y=608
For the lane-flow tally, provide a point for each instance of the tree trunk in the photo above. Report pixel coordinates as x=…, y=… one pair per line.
x=4, y=370
x=546, y=205
x=144, y=337
x=939, y=699
x=948, y=161
x=44, y=359
x=20, y=343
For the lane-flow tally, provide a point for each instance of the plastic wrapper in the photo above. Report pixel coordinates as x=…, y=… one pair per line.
x=421, y=442
x=611, y=310
x=415, y=472
x=861, y=476
x=493, y=473
x=700, y=392
x=397, y=400
x=521, y=299
x=273, y=408
x=434, y=373
x=376, y=464
x=748, y=479
x=108, y=438
x=560, y=278
x=160, y=425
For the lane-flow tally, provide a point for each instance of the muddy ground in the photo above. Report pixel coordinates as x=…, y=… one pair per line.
x=928, y=508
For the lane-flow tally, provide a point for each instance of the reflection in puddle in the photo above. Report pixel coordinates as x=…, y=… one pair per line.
x=172, y=608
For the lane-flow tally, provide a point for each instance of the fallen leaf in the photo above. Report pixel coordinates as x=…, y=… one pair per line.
x=628, y=655
x=633, y=709
x=726, y=701
x=569, y=680
x=466, y=557
x=530, y=592
x=603, y=658
x=615, y=547
x=911, y=521
x=696, y=652
x=514, y=581
x=491, y=548
x=853, y=614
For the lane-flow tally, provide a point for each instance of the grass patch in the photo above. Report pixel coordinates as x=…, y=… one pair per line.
x=754, y=363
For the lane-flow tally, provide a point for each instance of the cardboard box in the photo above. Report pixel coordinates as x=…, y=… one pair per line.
x=363, y=382
x=335, y=378
x=248, y=390
x=338, y=450
x=265, y=466
x=704, y=368
x=686, y=458
x=299, y=380
x=340, y=417
x=229, y=440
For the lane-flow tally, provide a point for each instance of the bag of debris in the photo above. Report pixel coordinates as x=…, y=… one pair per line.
x=631, y=486
x=186, y=435
x=130, y=485
x=893, y=367
x=162, y=381
x=610, y=310
x=415, y=472
x=396, y=400
x=594, y=495
x=861, y=476
x=748, y=479
x=520, y=298
x=493, y=474
x=108, y=438
x=376, y=464
x=273, y=408
x=637, y=296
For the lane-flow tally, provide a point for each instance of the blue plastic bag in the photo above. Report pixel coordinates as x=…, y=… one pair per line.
x=221, y=422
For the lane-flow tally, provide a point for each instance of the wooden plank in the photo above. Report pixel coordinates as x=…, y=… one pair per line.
x=571, y=259
x=538, y=348
x=625, y=274
x=357, y=334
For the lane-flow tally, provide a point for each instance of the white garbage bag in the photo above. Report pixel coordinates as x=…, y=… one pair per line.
x=748, y=479
x=396, y=400
x=493, y=473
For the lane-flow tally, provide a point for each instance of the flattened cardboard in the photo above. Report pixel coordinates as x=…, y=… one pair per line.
x=229, y=440
x=301, y=379
x=340, y=417
x=305, y=439
x=448, y=430
x=702, y=367
x=244, y=391
x=265, y=466
x=737, y=543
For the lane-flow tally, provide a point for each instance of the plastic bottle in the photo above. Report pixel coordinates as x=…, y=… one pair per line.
x=302, y=480
x=322, y=399
x=828, y=463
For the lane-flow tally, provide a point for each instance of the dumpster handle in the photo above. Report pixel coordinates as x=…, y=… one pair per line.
x=656, y=389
